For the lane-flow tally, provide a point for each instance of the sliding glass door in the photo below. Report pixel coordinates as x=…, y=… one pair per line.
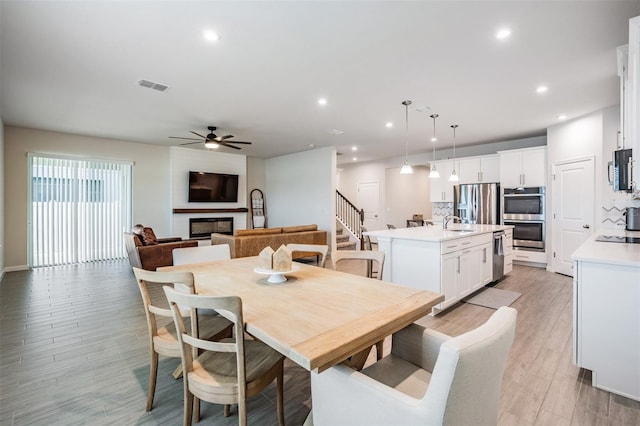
x=78, y=209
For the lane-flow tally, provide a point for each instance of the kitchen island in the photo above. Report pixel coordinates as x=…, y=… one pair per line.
x=455, y=262
x=606, y=313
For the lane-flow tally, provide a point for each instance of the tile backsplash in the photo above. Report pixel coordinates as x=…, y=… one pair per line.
x=440, y=210
x=613, y=212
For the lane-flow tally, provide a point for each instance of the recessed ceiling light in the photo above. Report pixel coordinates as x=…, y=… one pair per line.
x=355, y=158
x=562, y=117
x=311, y=145
x=541, y=89
x=322, y=101
x=422, y=108
x=503, y=33
x=335, y=132
x=389, y=125
x=210, y=35
x=354, y=148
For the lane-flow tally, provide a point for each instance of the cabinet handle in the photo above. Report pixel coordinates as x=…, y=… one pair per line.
x=452, y=246
x=467, y=243
x=466, y=251
x=484, y=255
x=458, y=267
x=524, y=257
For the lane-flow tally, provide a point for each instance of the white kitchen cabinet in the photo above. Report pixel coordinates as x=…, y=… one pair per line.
x=481, y=169
x=606, y=332
x=441, y=190
x=530, y=256
x=508, y=251
x=523, y=167
x=467, y=268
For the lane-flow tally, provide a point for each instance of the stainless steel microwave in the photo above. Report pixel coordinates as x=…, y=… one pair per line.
x=620, y=170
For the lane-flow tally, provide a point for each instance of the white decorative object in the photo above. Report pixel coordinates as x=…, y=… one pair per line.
x=276, y=277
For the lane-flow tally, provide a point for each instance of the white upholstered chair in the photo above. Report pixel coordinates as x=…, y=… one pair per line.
x=315, y=249
x=429, y=379
x=187, y=255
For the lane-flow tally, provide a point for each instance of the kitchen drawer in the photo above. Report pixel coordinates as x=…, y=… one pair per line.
x=453, y=245
x=529, y=256
x=478, y=240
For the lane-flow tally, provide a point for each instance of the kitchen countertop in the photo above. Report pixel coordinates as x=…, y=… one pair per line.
x=626, y=254
x=435, y=233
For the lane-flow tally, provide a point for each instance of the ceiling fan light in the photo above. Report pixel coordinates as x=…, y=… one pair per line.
x=211, y=145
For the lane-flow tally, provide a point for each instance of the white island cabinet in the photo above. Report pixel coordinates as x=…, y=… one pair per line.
x=606, y=307
x=453, y=262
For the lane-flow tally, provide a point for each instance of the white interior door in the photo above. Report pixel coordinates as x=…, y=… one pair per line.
x=369, y=201
x=573, y=210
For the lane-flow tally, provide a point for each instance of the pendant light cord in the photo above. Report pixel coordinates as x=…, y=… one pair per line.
x=406, y=120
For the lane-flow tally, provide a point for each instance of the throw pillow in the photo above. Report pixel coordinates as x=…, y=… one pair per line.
x=148, y=237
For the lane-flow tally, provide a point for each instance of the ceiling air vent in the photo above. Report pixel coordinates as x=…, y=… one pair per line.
x=152, y=85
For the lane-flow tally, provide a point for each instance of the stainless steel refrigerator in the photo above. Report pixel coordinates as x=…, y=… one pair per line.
x=477, y=203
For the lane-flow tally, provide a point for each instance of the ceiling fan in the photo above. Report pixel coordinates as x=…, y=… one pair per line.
x=211, y=141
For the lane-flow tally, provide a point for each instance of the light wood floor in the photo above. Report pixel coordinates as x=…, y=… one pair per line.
x=73, y=351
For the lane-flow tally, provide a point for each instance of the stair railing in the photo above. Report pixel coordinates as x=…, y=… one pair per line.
x=349, y=215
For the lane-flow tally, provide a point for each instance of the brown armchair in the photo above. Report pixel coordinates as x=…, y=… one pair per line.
x=148, y=252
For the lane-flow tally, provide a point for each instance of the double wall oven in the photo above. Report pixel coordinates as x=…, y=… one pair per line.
x=523, y=208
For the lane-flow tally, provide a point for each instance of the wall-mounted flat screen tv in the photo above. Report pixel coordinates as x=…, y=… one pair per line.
x=205, y=187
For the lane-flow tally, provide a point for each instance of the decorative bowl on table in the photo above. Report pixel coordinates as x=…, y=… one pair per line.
x=276, y=277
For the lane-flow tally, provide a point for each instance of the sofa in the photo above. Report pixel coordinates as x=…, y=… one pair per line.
x=250, y=242
x=148, y=252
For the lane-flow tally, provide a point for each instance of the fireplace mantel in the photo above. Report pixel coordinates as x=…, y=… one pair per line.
x=232, y=210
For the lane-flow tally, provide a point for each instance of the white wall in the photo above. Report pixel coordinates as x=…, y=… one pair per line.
x=406, y=195
x=184, y=160
x=256, y=179
x=300, y=189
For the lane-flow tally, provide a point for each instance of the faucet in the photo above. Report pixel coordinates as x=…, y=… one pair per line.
x=446, y=219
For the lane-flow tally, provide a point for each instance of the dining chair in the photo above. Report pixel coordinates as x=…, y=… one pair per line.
x=318, y=250
x=163, y=339
x=370, y=257
x=188, y=255
x=389, y=226
x=367, y=244
x=228, y=371
x=429, y=378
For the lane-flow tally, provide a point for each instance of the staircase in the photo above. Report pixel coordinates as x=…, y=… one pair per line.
x=343, y=241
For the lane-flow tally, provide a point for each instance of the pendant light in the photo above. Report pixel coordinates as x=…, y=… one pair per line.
x=454, y=176
x=406, y=168
x=433, y=173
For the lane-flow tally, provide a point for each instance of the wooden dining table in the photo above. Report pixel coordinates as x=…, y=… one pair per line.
x=318, y=317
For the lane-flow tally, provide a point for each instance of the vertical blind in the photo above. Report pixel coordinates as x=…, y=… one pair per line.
x=79, y=209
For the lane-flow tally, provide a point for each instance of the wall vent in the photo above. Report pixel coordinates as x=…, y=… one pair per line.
x=153, y=85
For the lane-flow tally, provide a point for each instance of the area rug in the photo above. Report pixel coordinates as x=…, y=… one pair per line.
x=493, y=298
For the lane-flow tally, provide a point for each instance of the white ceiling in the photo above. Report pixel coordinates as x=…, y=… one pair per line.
x=73, y=66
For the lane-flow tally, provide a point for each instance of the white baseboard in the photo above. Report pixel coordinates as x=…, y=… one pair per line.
x=15, y=268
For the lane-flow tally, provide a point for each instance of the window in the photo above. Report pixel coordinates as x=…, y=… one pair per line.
x=78, y=209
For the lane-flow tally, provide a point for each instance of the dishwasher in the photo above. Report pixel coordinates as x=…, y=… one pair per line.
x=498, y=255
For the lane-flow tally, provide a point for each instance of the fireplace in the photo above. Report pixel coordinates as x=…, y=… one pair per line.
x=203, y=227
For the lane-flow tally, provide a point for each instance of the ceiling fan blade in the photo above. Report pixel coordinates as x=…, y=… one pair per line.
x=227, y=145
x=190, y=143
x=221, y=138
x=198, y=134
x=188, y=139
x=244, y=143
